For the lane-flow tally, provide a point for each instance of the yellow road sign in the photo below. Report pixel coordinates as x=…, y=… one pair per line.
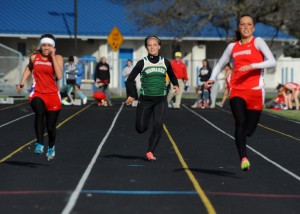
x=115, y=39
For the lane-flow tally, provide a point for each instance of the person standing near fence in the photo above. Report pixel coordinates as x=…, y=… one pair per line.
x=203, y=93
x=251, y=55
x=46, y=68
x=126, y=71
x=102, y=75
x=153, y=93
x=180, y=72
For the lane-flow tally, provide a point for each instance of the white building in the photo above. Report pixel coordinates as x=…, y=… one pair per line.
x=21, y=31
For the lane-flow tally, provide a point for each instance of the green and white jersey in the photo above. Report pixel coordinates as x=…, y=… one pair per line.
x=153, y=78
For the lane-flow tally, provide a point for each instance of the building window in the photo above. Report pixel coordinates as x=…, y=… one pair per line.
x=22, y=48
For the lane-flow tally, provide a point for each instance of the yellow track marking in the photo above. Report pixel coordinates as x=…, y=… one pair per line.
x=209, y=207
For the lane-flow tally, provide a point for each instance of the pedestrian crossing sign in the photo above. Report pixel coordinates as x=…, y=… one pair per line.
x=115, y=39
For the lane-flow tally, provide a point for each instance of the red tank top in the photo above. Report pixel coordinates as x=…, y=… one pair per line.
x=246, y=54
x=44, y=80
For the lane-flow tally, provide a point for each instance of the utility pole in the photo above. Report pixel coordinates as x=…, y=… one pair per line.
x=75, y=27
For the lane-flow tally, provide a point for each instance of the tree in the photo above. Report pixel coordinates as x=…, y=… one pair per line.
x=181, y=18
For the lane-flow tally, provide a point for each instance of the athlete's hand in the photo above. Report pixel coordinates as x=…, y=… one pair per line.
x=52, y=51
x=19, y=88
x=245, y=68
x=208, y=84
x=129, y=100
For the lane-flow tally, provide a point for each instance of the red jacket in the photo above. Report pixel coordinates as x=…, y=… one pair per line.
x=179, y=69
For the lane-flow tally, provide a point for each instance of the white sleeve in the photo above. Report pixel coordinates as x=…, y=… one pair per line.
x=222, y=62
x=269, y=61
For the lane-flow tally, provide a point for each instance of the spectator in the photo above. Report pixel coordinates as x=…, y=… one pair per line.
x=70, y=75
x=180, y=72
x=102, y=75
x=292, y=94
x=278, y=103
x=77, y=86
x=202, y=93
x=66, y=94
x=227, y=76
x=99, y=94
x=126, y=71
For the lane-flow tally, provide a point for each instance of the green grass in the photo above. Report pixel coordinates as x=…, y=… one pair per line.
x=290, y=114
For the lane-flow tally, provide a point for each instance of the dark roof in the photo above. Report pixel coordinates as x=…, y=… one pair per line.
x=96, y=18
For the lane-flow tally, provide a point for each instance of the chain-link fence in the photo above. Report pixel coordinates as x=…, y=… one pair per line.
x=10, y=71
x=12, y=64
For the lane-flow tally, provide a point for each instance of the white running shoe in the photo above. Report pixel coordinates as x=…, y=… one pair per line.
x=84, y=100
x=50, y=153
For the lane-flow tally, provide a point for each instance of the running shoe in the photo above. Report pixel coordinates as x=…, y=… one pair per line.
x=39, y=148
x=64, y=102
x=205, y=104
x=84, y=100
x=150, y=156
x=195, y=105
x=245, y=164
x=200, y=105
x=219, y=104
x=104, y=103
x=50, y=153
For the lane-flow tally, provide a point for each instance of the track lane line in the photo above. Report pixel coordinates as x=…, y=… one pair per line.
x=30, y=142
x=249, y=147
x=208, y=205
x=13, y=106
x=75, y=194
x=270, y=129
x=19, y=118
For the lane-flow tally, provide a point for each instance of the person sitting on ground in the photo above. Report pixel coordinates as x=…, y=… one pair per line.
x=99, y=92
x=278, y=103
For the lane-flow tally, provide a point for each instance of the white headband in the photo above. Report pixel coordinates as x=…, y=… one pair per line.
x=47, y=40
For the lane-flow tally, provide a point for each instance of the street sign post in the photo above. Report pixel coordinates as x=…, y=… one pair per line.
x=115, y=39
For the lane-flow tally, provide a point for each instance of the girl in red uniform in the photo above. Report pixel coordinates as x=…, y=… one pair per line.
x=294, y=89
x=46, y=68
x=227, y=77
x=251, y=56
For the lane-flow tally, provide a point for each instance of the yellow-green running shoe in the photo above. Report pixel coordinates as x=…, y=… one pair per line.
x=245, y=164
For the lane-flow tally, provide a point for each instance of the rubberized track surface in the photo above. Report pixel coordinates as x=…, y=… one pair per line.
x=100, y=164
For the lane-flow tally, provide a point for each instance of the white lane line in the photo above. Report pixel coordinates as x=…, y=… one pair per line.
x=5, y=124
x=249, y=147
x=72, y=201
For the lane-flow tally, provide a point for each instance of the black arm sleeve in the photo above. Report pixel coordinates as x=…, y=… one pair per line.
x=171, y=74
x=108, y=74
x=130, y=80
x=209, y=72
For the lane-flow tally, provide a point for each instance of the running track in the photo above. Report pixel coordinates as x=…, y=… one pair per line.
x=100, y=166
